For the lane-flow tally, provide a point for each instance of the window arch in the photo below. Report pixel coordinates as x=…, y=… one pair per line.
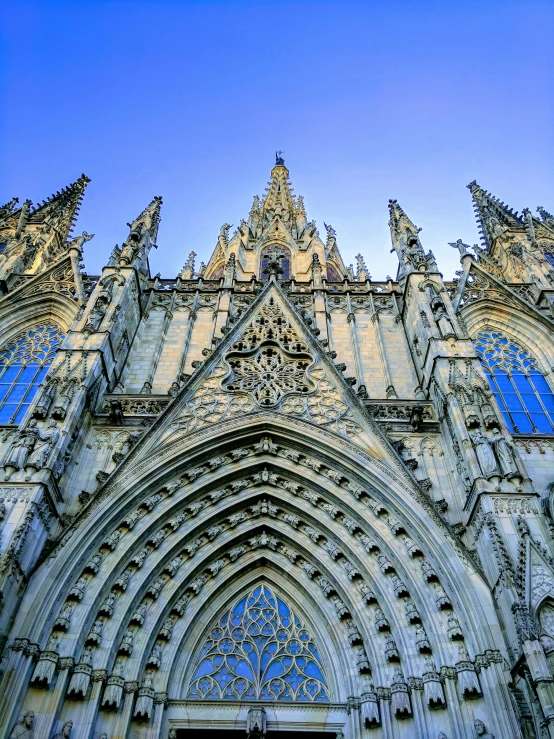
x=285, y=262
x=259, y=650
x=24, y=362
x=523, y=394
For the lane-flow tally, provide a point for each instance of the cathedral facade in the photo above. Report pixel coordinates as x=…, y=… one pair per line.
x=272, y=496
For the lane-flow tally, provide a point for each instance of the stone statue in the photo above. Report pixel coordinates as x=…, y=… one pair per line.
x=480, y=729
x=444, y=322
x=505, y=455
x=24, y=729
x=96, y=316
x=66, y=731
x=485, y=454
x=127, y=641
x=22, y=446
x=46, y=442
x=116, y=411
x=78, y=241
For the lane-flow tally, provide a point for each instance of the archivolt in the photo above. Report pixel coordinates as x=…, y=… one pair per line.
x=372, y=569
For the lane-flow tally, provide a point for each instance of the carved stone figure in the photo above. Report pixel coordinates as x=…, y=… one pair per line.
x=24, y=729
x=480, y=729
x=485, y=454
x=22, y=446
x=66, y=731
x=44, y=445
x=506, y=455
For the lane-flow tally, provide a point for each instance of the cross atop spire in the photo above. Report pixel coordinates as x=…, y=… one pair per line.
x=493, y=216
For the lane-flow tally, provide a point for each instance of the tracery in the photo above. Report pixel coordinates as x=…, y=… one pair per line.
x=521, y=390
x=24, y=362
x=259, y=650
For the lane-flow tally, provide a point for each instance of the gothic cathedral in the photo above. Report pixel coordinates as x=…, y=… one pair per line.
x=272, y=497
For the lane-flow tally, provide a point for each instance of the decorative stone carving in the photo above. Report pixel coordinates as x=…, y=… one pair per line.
x=24, y=729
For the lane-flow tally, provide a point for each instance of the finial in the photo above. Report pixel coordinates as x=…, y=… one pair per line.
x=278, y=157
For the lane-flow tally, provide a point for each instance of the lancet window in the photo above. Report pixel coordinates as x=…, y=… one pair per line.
x=259, y=650
x=24, y=362
x=523, y=393
x=284, y=262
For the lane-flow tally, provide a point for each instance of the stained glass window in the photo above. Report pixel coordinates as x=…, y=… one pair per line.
x=24, y=362
x=523, y=393
x=284, y=262
x=259, y=650
x=549, y=258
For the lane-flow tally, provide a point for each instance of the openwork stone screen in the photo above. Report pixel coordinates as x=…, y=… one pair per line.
x=523, y=394
x=259, y=650
x=24, y=363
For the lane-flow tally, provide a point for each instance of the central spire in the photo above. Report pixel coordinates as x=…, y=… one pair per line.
x=277, y=223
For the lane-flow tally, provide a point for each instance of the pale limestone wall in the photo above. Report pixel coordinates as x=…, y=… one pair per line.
x=538, y=456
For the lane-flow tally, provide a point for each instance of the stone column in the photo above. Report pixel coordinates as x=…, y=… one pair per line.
x=45, y=720
x=186, y=343
x=351, y=318
x=390, y=391
x=147, y=387
x=123, y=718
x=503, y=722
x=418, y=706
x=89, y=709
x=17, y=673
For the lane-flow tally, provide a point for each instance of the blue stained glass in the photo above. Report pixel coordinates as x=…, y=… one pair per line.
x=6, y=412
x=24, y=363
x=522, y=392
x=513, y=403
x=282, y=663
x=542, y=423
x=524, y=425
x=540, y=383
x=504, y=382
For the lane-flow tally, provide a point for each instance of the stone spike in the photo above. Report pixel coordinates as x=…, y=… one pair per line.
x=399, y=221
x=150, y=217
x=493, y=216
x=62, y=208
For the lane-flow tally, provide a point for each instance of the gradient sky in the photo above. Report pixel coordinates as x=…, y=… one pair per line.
x=189, y=100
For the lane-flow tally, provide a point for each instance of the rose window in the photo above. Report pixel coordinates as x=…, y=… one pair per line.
x=269, y=375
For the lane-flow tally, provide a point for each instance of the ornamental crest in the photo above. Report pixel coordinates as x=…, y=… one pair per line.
x=269, y=366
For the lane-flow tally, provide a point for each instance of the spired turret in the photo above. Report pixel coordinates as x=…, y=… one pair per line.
x=32, y=240
x=276, y=220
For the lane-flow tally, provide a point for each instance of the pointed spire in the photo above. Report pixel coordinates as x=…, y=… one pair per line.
x=331, y=237
x=8, y=209
x=362, y=272
x=149, y=219
x=142, y=234
x=546, y=217
x=405, y=240
x=61, y=209
x=493, y=216
x=278, y=197
x=187, y=272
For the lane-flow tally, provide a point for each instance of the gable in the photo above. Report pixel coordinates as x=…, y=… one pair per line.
x=269, y=362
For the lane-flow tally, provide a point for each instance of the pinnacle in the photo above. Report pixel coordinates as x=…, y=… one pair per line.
x=149, y=218
x=399, y=219
x=62, y=207
x=493, y=215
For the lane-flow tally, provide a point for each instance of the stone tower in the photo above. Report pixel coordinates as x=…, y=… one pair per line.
x=272, y=495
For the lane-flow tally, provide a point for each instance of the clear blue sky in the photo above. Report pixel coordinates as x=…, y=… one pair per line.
x=189, y=100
